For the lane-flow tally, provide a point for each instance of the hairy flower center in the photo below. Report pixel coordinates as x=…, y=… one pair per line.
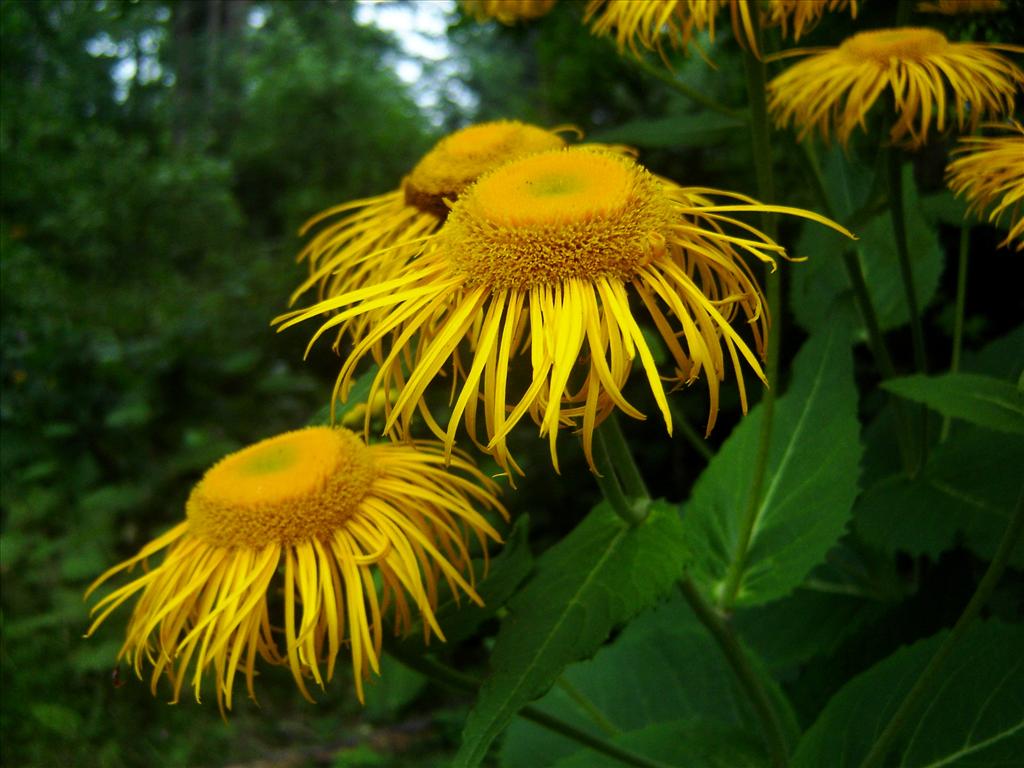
x=459, y=160
x=286, y=489
x=557, y=215
x=906, y=43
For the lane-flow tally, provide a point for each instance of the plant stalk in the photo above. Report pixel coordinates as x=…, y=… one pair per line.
x=750, y=682
x=921, y=688
x=632, y=510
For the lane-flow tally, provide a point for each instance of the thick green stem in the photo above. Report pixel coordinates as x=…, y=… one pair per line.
x=682, y=88
x=460, y=681
x=622, y=457
x=958, y=316
x=632, y=510
x=766, y=191
x=750, y=682
x=921, y=688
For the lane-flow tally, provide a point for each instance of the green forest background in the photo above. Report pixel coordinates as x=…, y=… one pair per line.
x=158, y=158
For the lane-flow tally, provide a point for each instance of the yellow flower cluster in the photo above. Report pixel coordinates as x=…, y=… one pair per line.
x=537, y=277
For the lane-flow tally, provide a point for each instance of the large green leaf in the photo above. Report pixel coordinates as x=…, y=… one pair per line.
x=664, y=668
x=689, y=743
x=818, y=283
x=982, y=400
x=973, y=716
x=596, y=578
x=813, y=465
x=804, y=624
x=968, y=489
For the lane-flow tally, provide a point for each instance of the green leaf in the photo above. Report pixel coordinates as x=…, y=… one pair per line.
x=664, y=668
x=968, y=488
x=356, y=399
x=595, y=579
x=459, y=617
x=672, y=132
x=395, y=688
x=945, y=207
x=981, y=400
x=804, y=624
x=821, y=281
x=690, y=743
x=811, y=481
x=973, y=715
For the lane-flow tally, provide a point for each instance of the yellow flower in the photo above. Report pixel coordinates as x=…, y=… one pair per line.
x=917, y=68
x=390, y=227
x=642, y=23
x=990, y=171
x=359, y=532
x=539, y=259
x=507, y=11
x=952, y=7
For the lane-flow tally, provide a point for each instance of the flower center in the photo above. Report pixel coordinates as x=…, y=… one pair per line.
x=907, y=43
x=458, y=160
x=283, y=490
x=557, y=215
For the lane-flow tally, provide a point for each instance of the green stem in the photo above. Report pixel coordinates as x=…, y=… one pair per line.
x=632, y=511
x=691, y=93
x=622, y=457
x=750, y=682
x=766, y=190
x=460, y=681
x=921, y=688
x=958, y=316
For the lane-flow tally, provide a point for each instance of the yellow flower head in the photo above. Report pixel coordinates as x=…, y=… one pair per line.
x=953, y=7
x=348, y=532
x=539, y=260
x=917, y=68
x=507, y=11
x=390, y=227
x=641, y=24
x=990, y=171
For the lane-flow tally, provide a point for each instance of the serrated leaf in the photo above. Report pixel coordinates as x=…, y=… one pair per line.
x=813, y=466
x=819, y=282
x=981, y=400
x=972, y=716
x=595, y=579
x=663, y=668
x=968, y=488
x=674, y=132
